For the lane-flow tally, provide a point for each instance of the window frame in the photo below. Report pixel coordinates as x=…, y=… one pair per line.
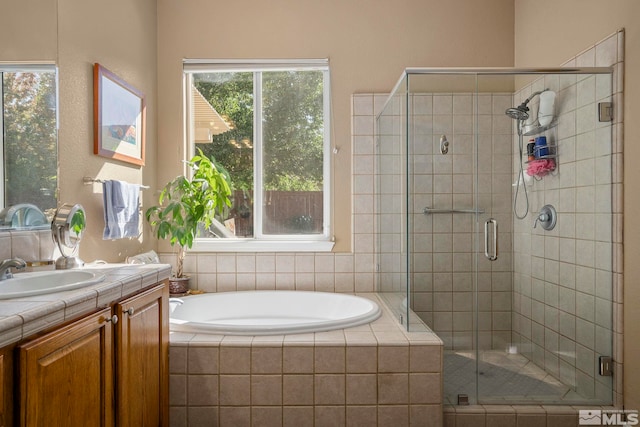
x=260, y=242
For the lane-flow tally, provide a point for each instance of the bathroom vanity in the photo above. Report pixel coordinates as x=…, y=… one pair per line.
x=93, y=356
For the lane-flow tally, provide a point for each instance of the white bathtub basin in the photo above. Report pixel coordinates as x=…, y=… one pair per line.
x=270, y=312
x=45, y=282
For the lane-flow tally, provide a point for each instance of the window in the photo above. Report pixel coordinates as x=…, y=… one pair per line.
x=28, y=141
x=267, y=124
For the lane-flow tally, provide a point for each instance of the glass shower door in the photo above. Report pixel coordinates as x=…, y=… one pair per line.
x=442, y=219
x=493, y=235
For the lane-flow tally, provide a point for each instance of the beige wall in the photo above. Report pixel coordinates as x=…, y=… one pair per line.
x=368, y=44
x=547, y=32
x=18, y=40
x=119, y=34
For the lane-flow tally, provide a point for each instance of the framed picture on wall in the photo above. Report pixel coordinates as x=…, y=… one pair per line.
x=118, y=118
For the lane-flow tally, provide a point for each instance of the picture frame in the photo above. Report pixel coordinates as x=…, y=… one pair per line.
x=119, y=118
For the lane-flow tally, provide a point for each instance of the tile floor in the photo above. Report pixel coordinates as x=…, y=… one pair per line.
x=504, y=379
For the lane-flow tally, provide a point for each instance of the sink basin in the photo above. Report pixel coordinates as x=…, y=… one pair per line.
x=46, y=282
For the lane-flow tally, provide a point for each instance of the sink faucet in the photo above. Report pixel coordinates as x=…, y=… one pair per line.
x=16, y=263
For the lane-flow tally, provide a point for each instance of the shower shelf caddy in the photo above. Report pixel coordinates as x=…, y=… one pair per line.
x=551, y=143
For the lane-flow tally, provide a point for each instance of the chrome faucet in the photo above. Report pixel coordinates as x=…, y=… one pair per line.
x=17, y=263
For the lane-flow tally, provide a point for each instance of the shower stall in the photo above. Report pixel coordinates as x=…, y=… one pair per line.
x=494, y=216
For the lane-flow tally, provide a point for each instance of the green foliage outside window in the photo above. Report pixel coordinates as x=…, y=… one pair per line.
x=293, y=127
x=30, y=138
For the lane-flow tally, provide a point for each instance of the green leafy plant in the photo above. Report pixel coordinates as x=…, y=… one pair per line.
x=186, y=204
x=78, y=222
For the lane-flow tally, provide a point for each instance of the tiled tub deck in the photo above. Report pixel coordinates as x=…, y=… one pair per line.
x=375, y=374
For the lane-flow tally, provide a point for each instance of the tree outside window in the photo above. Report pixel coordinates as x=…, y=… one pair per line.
x=30, y=138
x=274, y=149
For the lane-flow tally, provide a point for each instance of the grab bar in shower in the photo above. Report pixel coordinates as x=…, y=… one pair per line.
x=429, y=210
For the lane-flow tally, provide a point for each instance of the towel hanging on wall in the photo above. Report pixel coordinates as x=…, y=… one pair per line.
x=121, y=214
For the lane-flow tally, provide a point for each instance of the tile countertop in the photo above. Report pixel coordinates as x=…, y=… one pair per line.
x=23, y=317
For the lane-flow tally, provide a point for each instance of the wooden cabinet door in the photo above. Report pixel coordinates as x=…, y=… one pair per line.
x=66, y=376
x=6, y=387
x=142, y=348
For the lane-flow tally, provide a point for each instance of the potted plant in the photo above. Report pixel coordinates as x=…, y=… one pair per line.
x=185, y=205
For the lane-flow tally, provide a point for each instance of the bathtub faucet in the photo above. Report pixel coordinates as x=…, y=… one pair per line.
x=17, y=263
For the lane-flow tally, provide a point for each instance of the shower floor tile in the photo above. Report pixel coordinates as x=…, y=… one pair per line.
x=503, y=379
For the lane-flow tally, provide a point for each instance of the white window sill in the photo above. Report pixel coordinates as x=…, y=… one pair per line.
x=251, y=245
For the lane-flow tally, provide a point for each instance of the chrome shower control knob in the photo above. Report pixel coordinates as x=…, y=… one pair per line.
x=547, y=217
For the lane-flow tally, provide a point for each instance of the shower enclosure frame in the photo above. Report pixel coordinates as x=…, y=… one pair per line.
x=394, y=233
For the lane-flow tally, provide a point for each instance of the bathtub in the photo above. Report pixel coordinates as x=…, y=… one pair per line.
x=349, y=376
x=269, y=312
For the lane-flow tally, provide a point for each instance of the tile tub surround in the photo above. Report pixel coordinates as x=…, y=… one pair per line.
x=23, y=317
x=375, y=374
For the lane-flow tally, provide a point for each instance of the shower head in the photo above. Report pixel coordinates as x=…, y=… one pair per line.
x=521, y=112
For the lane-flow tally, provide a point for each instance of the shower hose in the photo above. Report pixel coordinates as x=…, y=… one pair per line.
x=520, y=179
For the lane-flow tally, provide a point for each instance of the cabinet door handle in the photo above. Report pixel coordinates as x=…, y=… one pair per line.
x=129, y=311
x=113, y=319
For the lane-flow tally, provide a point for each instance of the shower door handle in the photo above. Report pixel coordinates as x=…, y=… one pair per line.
x=493, y=255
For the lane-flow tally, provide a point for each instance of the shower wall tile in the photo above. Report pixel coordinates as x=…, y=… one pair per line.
x=587, y=58
x=442, y=250
x=442, y=104
x=584, y=190
x=607, y=52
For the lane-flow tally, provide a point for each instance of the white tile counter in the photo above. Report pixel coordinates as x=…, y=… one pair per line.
x=25, y=316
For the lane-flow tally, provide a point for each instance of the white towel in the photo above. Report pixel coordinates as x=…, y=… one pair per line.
x=121, y=216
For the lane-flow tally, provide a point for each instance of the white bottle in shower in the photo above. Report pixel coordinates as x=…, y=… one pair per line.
x=546, y=109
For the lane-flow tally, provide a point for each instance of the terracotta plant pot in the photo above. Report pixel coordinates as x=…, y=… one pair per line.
x=178, y=285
